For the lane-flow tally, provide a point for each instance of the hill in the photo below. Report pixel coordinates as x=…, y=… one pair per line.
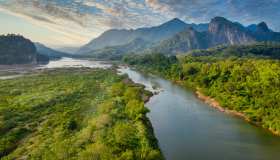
x=186, y=40
x=116, y=37
x=15, y=49
x=117, y=52
x=49, y=52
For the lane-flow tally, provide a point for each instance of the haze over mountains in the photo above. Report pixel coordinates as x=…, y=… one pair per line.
x=175, y=37
x=171, y=38
x=49, y=52
x=155, y=34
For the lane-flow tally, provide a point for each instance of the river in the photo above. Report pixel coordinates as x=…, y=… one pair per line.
x=14, y=71
x=187, y=128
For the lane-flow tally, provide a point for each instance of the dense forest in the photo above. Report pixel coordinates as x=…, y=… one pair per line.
x=260, y=49
x=239, y=81
x=15, y=49
x=75, y=114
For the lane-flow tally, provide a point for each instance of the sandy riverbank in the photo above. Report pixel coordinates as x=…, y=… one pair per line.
x=215, y=104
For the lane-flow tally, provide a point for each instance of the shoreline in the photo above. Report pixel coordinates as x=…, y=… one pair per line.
x=146, y=96
x=216, y=105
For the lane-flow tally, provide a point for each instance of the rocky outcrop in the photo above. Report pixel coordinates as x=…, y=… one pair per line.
x=175, y=37
x=223, y=31
x=263, y=33
x=182, y=42
x=220, y=32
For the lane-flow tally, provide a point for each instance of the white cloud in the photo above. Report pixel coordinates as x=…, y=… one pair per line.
x=78, y=21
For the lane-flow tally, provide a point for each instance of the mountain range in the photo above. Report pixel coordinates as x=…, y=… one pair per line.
x=115, y=37
x=176, y=36
x=49, y=52
x=171, y=38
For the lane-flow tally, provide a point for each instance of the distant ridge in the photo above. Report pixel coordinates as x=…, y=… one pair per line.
x=176, y=36
x=220, y=32
x=117, y=37
x=49, y=52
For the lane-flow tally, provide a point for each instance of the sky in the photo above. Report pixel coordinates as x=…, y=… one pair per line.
x=65, y=23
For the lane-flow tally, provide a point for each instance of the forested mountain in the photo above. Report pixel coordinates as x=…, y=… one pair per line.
x=15, y=49
x=51, y=53
x=259, y=49
x=116, y=52
x=155, y=34
x=263, y=33
x=175, y=37
x=183, y=41
x=220, y=32
x=172, y=37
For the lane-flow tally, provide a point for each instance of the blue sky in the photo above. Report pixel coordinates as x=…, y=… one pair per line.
x=74, y=22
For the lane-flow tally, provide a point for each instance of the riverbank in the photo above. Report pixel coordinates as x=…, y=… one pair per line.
x=215, y=104
x=184, y=126
x=212, y=102
x=248, y=85
x=209, y=100
x=13, y=70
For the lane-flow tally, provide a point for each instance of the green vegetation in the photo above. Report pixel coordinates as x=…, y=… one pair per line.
x=151, y=62
x=260, y=49
x=75, y=114
x=117, y=52
x=247, y=85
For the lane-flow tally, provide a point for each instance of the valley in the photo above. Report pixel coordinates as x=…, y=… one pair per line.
x=186, y=127
x=246, y=85
x=183, y=125
x=139, y=80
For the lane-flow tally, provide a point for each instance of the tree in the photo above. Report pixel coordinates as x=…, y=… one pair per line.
x=135, y=109
x=125, y=135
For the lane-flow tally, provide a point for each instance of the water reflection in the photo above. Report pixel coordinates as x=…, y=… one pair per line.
x=149, y=83
x=14, y=71
x=70, y=62
x=189, y=129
